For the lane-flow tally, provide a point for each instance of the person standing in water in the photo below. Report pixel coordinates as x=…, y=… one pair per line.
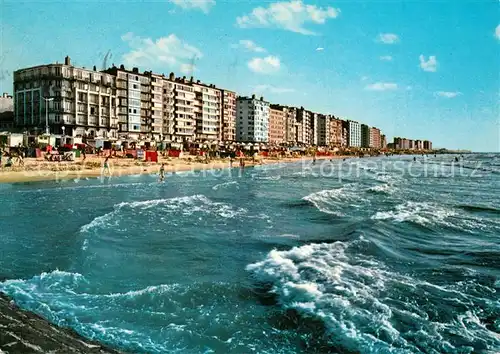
x=105, y=166
x=162, y=172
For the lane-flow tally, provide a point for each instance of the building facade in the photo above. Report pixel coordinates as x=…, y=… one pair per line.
x=353, y=133
x=62, y=98
x=277, y=124
x=365, y=136
x=375, y=138
x=427, y=145
x=228, y=128
x=252, y=123
x=383, y=142
x=335, y=132
x=323, y=130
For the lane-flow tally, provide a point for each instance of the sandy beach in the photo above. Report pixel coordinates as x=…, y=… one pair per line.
x=40, y=170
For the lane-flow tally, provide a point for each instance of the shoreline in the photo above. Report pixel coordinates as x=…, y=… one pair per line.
x=75, y=170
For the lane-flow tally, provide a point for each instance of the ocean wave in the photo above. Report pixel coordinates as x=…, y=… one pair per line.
x=383, y=188
x=422, y=213
x=368, y=308
x=225, y=185
x=332, y=201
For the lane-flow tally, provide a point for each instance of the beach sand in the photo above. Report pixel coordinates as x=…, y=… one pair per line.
x=41, y=170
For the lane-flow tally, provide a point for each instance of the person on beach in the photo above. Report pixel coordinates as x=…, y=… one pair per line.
x=105, y=166
x=162, y=172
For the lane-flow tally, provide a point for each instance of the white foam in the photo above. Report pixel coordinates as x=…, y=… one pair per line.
x=332, y=201
x=361, y=302
x=224, y=185
x=419, y=212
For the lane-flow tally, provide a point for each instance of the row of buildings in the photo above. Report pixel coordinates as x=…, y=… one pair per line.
x=409, y=144
x=123, y=104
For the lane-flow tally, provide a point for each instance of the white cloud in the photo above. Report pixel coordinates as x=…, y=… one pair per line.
x=386, y=58
x=267, y=65
x=381, y=86
x=497, y=32
x=287, y=15
x=249, y=45
x=272, y=89
x=428, y=65
x=388, y=38
x=156, y=54
x=447, y=94
x=320, y=49
x=203, y=5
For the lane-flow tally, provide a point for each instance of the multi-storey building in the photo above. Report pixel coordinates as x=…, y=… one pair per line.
x=427, y=145
x=60, y=98
x=208, y=112
x=228, y=129
x=419, y=145
x=375, y=138
x=353, y=133
x=383, y=142
x=314, y=132
x=291, y=125
x=277, y=124
x=335, y=132
x=6, y=103
x=252, y=122
x=365, y=136
x=168, y=108
x=305, y=132
x=323, y=130
x=134, y=102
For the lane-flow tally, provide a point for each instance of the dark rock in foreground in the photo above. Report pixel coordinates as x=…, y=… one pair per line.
x=24, y=332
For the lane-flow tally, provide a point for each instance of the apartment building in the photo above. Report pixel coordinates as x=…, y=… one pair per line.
x=133, y=93
x=252, y=124
x=305, y=131
x=323, y=130
x=277, y=124
x=427, y=145
x=62, y=98
x=291, y=125
x=335, y=132
x=208, y=111
x=352, y=133
x=419, y=145
x=375, y=138
x=365, y=136
x=228, y=123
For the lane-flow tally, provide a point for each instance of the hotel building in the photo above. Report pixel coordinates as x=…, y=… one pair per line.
x=252, y=123
x=69, y=100
x=323, y=130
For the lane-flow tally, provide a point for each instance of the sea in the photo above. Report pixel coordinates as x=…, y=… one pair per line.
x=395, y=254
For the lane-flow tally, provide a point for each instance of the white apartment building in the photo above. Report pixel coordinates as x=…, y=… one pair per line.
x=207, y=112
x=353, y=133
x=73, y=101
x=252, y=124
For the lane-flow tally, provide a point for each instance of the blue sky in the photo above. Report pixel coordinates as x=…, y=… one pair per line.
x=419, y=69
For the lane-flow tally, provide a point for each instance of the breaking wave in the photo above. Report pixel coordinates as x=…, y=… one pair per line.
x=369, y=308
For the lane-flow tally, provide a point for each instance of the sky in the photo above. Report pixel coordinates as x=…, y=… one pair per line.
x=419, y=69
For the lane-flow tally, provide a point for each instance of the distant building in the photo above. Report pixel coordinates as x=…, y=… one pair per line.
x=277, y=124
x=252, y=124
x=228, y=129
x=427, y=145
x=305, y=131
x=411, y=144
x=375, y=138
x=419, y=145
x=335, y=132
x=6, y=103
x=290, y=125
x=323, y=130
x=353, y=133
x=365, y=136
x=383, y=142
